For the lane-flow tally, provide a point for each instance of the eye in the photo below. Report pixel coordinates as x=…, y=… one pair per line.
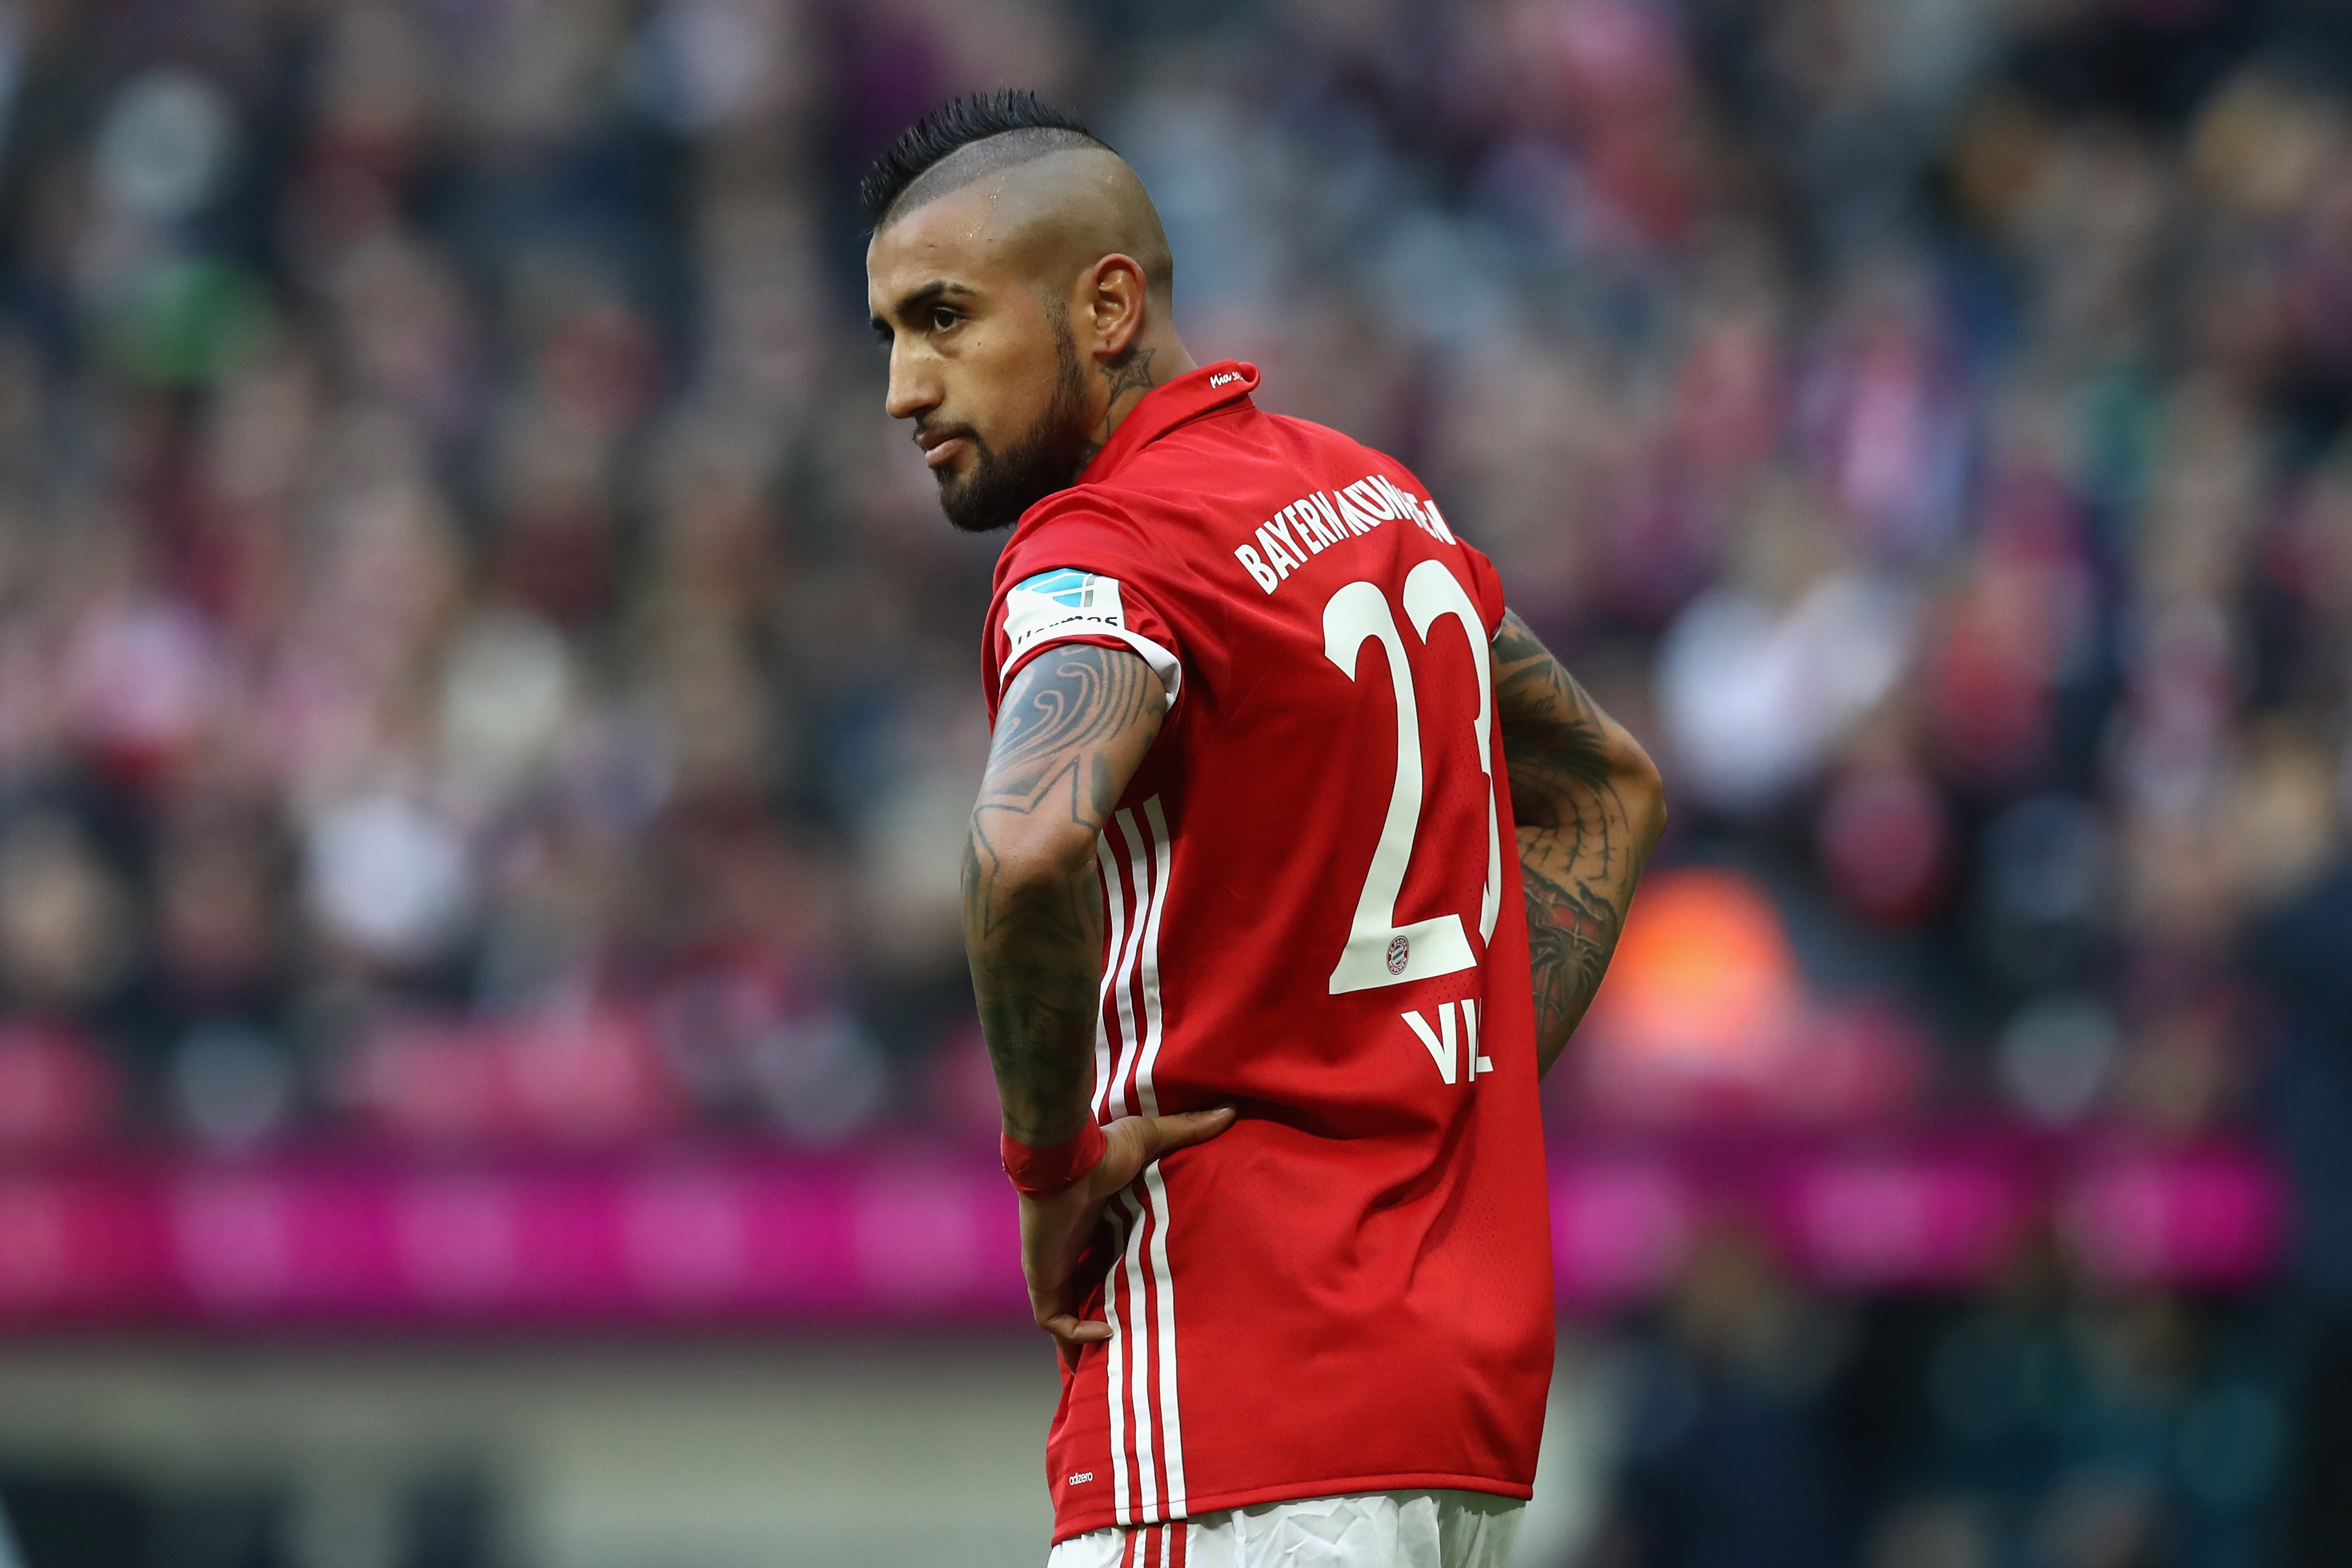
x=943, y=319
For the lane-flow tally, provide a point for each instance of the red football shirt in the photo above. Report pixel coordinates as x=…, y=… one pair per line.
x=1313, y=914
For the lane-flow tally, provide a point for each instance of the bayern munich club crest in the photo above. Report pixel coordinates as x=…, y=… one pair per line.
x=1400, y=954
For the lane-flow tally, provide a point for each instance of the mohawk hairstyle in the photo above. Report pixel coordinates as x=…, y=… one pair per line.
x=1036, y=128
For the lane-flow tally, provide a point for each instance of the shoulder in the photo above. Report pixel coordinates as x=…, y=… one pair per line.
x=1242, y=432
x=1085, y=526
x=1081, y=558
x=1231, y=465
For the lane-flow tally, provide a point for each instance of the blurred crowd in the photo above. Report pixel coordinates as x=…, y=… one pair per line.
x=476, y=661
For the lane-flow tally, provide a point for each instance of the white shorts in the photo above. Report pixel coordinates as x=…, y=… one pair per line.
x=1367, y=1530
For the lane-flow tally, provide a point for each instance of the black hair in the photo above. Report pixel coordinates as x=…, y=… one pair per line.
x=957, y=124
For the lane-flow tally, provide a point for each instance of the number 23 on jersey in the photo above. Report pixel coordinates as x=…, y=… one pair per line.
x=1378, y=951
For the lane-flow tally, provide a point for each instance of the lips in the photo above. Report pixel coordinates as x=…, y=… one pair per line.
x=942, y=444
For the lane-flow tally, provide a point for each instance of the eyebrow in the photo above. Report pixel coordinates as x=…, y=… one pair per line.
x=929, y=293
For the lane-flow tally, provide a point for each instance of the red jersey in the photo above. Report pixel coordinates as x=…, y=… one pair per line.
x=1313, y=913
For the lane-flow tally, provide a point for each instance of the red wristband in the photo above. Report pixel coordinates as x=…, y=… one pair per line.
x=1045, y=1172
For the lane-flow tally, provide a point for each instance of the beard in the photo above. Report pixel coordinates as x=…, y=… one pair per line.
x=1001, y=486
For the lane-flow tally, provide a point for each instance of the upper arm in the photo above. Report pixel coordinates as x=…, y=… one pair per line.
x=1074, y=724
x=1541, y=709
x=1555, y=737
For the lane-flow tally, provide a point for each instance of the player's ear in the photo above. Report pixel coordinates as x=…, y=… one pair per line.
x=1116, y=304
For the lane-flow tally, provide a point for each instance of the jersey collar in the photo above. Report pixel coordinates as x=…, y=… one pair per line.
x=1186, y=398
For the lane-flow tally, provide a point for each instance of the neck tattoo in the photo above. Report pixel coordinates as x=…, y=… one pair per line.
x=1128, y=371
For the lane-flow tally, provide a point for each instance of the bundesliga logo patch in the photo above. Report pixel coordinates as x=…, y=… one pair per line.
x=1057, y=600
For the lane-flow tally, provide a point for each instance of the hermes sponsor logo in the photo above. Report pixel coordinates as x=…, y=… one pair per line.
x=1058, y=600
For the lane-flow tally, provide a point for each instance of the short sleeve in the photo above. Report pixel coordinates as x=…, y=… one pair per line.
x=1079, y=579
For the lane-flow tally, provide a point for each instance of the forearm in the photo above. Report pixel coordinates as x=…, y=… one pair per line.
x=1590, y=806
x=1578, y=873
x=1034, y=944
x=1074, y=725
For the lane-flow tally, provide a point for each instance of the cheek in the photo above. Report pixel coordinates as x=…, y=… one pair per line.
x=1011, y=382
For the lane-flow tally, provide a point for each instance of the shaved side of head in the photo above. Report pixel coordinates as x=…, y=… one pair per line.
x=1054, y=210
x=1056, y=197
x=1034, y=125
x=978, y=160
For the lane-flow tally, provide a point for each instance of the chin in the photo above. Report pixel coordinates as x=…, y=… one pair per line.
x=987, y=490
x=971, y=512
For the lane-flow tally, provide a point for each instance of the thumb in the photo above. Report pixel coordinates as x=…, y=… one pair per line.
x=1185, y=1128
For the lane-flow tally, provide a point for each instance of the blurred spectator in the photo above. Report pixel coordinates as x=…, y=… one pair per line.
x=2082, y=1432
x=1728, y=1458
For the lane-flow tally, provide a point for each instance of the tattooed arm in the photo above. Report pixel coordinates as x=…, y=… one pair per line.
x=1072, y=730
x=1590, y=805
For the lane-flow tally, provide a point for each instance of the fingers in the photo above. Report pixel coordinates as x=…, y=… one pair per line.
x=1054, y=1231
x=1072, y=1334
x=1182, y=1130
x=1077, y=1330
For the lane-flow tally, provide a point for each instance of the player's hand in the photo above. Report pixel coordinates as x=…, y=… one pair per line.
x=1054, y=1231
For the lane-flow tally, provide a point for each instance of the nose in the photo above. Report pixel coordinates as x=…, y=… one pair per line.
x=914, y=384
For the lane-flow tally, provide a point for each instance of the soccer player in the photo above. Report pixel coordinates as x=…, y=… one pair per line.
x=1235, y=897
